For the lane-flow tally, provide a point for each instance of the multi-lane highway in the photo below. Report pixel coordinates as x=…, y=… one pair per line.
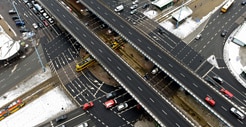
x=196, y=84
x=167, y=63
x=134, y=84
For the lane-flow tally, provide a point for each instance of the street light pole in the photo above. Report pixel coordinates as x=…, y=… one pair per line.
x=13, y=3
x=40, y=60
x=36, y=50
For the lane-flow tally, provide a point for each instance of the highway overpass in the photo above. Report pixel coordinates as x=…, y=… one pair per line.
x=156, y=105
x=189, y=80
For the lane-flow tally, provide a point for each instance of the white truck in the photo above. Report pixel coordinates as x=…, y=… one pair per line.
x=119, y=8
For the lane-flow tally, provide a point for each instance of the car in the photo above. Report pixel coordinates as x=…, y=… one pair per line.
x=29, y=5
x=210, y=81
x=111, y=95
x=198, y=36
x=11, y=12
x=135, y=2
x=236, y=112
x=122, y=106
x=155, y=70
x=223, y=33
x=134, y=6
x=41, y=17
x=218, y=79
x=46, y=15
x=88, y=105
x=50, y=20
x=35, y=11
x=133, y=11
x=40, y=25
x=226, y=92
x=161, y=30
x=119, y=8
x=45, y=22
x=24, y=30
x=243, y=2
x=35, y=25
x=61, y=118
x=19, y=23
x=15, y=17
x=84, y=124
x=146, y=5
x=25, y=1
x=210, y=101
x=110, y=103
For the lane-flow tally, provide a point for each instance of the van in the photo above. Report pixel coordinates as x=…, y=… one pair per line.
x=237, y=113
x=119, y=8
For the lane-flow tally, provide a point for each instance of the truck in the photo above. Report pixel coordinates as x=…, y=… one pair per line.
x=119, y=8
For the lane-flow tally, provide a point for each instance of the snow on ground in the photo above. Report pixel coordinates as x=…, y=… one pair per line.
x=50, y=105
x=24, y=86
x=150, y=14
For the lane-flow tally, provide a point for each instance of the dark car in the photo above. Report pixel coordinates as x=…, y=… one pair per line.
x=61, y=118
x=146, y=5
x=210, y=81
x=41, y=25
x=24, y=30
x=223, y=33
x=161, y=30
x=243, y=2
x=15, y=17
x=111, y=95
x=218, y=79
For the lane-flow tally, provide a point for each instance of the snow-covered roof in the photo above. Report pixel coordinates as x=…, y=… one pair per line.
x=161, y=3
x=182, y=13
x=8, y=47
x=239, y=36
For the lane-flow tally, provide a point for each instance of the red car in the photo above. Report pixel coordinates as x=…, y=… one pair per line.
x=88, y=105
x=210, y=101
x=110, y=103
x=227, y=93
x=45, y=22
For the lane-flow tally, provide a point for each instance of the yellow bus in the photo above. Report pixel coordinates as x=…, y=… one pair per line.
x=227, y=5
x=84, y=63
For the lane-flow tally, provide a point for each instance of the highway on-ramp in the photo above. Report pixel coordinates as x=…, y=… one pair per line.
x=159, y=108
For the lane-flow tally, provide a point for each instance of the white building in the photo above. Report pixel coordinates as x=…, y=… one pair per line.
x=239, y=37
x=8, y=47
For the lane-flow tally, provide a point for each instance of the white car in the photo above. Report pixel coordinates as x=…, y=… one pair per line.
x=134, y=6
x=35, y=25
x=122, y=106
x=46, y=15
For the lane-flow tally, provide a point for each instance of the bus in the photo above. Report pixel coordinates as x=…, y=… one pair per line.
x=86, y=62
x=227, y=5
